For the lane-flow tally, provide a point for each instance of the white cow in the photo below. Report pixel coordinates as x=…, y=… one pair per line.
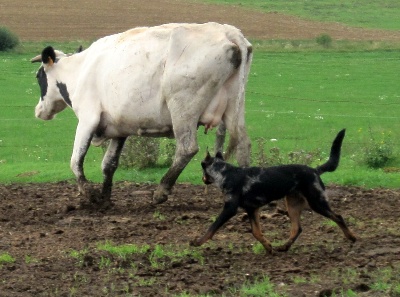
x=150, y=81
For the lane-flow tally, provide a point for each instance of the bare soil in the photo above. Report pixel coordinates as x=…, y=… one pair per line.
x=90, y=19
x=40, y=224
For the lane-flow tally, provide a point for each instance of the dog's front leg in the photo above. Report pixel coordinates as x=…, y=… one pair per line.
x=230, y=209
x=254, y=217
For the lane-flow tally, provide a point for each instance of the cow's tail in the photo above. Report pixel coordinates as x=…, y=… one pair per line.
x=334, y=157
x=238, y=139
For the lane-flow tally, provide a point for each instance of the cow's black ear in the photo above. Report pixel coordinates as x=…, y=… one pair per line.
x=219, y=156
x=79, y=49
x=48, y=55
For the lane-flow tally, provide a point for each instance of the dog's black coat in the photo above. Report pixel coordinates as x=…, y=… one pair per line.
x=253, y=187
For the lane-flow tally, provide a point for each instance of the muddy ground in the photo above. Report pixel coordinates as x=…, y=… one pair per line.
x=90, y=19
x=44, y=227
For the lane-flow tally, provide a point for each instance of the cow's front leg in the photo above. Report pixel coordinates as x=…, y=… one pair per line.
x=109, y=165
x=186, y=148
x=83, y=136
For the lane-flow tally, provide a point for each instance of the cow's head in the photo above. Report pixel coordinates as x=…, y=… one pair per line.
x=51, y=99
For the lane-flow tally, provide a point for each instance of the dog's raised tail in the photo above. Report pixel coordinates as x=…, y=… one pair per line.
x=334, y=157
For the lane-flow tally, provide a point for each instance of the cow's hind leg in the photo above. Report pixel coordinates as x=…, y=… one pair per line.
x=186, y=148
x=220, y=138
x=109, y=165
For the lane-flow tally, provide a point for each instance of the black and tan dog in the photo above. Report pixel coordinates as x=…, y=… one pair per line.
x=251, y=188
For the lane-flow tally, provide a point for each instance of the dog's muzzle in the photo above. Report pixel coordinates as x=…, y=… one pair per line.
x=206, y=180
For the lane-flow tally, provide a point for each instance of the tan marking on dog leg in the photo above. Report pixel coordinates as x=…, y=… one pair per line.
x=256, y=230
x=294, y=205
x=200, y=241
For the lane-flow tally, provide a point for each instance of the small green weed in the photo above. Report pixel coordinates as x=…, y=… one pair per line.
x=158, y=216
x=6, y=258
x=329, y=223
x=8, y=40
x=299, y=280
x=263, y=287
x=29, y=259
x=123, y=250
x=344, y=293
x=325, y=40
x=79, y=255
x=258, y=248
x=379, y=151
x=104, y=262
x=162, y=255
x=275, y=156
x=387, y=280
x=145, y=152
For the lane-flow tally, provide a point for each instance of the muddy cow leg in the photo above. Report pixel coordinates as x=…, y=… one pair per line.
x=109, y=165
x=83, y=137
x=229, y=210
x=254, y=216
x=186, y=148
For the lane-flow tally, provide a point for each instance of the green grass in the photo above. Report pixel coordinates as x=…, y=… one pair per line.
x=301, y=99
x=122, y=251
x=6, y=258
x=366, y=13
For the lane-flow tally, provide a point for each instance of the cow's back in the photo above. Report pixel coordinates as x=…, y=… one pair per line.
x=146, y=76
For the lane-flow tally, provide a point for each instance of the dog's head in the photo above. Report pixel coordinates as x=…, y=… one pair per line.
x=209, y=172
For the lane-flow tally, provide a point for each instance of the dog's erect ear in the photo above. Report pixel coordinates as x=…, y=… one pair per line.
x=219, y=156
x=206, y=160
x=208, y=156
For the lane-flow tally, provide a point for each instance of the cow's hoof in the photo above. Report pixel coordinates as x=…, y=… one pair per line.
x=195, y=242
x=160, y=195
x=159, y=199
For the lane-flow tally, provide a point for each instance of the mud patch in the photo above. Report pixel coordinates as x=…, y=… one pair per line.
x=56, y=244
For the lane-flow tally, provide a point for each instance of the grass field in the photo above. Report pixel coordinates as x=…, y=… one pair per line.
x=301, y=99
x=355, y=13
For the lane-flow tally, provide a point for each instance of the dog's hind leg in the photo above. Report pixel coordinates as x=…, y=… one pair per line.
x=319, y=204
x=254, y=216
x=295, y=203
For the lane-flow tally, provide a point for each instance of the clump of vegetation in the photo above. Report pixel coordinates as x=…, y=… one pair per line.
x=140, y=152
x=378, y=152
x=276, y=157
x=261, y=287
x=8, y=40
x=324, y=39
x=6, y=258
x=145, y=152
